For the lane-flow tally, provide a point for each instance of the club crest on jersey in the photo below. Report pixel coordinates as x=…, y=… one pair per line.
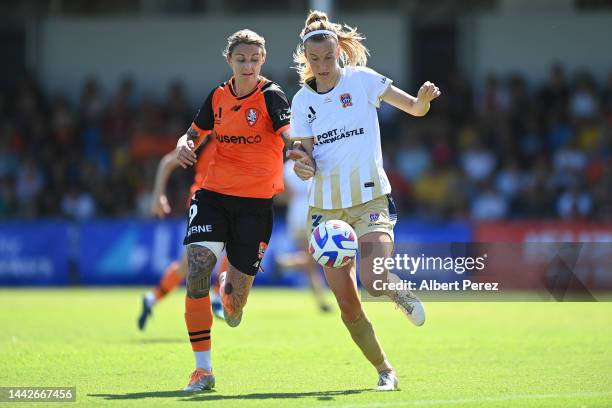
x=345, y=99
x=251, y=116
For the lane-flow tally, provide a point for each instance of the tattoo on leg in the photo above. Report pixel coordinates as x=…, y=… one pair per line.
x=201, y=263
x=238, y=289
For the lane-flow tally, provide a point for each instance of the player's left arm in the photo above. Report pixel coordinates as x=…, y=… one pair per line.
x=418, y=106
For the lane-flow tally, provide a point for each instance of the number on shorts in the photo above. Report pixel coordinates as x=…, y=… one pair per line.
x=193, y=210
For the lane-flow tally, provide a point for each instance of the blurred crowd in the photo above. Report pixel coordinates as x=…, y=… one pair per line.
x=502, y=149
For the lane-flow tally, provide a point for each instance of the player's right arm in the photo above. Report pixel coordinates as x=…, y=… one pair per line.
x=160, y=206
x=200, y=128
x=186, y=147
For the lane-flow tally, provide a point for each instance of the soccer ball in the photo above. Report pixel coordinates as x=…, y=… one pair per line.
x=333, y=244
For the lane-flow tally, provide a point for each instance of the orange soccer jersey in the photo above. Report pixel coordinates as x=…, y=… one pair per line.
x=205, y=154
x=248, y=147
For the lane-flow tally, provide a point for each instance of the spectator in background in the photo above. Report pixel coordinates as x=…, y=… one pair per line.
x=574, y=203
x=489, y=205
x=583, y=103
x=477, y=161
x=29, y=185
x=607, y=97
x=413, y=158
x=554, y=95
x=91, y=105
x=78, y=204
x=493, y=100
x=532, y=143
x=175, y=109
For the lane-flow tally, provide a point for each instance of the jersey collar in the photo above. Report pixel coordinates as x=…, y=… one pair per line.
x=232, y=88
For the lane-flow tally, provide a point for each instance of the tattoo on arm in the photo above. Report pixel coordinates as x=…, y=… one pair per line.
x=192, y=134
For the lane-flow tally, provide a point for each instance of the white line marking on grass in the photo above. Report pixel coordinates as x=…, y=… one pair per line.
x=472, y=400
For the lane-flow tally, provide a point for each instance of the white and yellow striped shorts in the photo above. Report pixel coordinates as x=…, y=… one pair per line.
x=377, y=215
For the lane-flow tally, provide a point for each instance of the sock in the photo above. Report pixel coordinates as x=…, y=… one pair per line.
x=199, y=319
x=169, y=281
x=222, y=268
x=202, y=359
x=150, y=299
x=363, y=335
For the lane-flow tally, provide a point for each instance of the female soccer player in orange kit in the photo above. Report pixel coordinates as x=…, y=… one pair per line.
x=248, y=116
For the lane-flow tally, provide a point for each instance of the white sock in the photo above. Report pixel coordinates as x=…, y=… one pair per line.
x=203, y=360
x=150, y=299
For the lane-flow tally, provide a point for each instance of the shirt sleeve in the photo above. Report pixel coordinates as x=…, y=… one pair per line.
x=374, y=84
x=278, y=108
x=300, y=121
x=204, y=120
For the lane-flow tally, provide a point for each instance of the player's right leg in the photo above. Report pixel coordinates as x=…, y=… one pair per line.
x=343, y=283
x=205, y=240
x=198, y=313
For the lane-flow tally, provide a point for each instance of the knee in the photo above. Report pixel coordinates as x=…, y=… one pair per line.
x=350, y=309
x=201, y=263
x=373, y=285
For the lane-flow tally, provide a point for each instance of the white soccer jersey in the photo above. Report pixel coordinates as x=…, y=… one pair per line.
x=344, y=125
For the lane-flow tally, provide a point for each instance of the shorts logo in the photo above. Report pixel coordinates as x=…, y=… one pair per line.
x=316, y=220
x=346, y=101
x=251, y=116
x=374, y=217
x=262, y=250
x=260, y=254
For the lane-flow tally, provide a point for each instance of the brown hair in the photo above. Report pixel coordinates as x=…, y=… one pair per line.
x=243, y=37
x=352, y=51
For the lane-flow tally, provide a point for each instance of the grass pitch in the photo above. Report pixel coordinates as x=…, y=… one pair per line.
x=285, y=353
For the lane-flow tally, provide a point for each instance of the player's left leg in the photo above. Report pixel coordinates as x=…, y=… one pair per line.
x=235, y=287
x=250, y=232
x=375, y=230
x=215, y=297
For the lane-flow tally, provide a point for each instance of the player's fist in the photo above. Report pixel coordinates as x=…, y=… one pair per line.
x=160, y=207
x=185, y=153
x=428, y=92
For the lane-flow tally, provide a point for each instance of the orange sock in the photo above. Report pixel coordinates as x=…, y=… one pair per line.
x=222, y=268
x=199, y=319
x=168, y=282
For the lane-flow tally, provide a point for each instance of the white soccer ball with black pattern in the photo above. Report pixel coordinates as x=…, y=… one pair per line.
x=333, y=243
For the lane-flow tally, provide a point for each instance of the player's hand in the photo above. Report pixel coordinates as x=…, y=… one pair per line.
x=160, y=207
x=185, y=153
x=428, y=92
x=304, y=167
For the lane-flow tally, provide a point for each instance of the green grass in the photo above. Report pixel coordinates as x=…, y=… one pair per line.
x=285, y=353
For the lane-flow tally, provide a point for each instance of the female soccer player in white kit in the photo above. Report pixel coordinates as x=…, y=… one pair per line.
x=334, y=114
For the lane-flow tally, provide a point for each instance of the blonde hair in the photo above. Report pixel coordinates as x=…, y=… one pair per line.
x=243, y=37
x=352, y=51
